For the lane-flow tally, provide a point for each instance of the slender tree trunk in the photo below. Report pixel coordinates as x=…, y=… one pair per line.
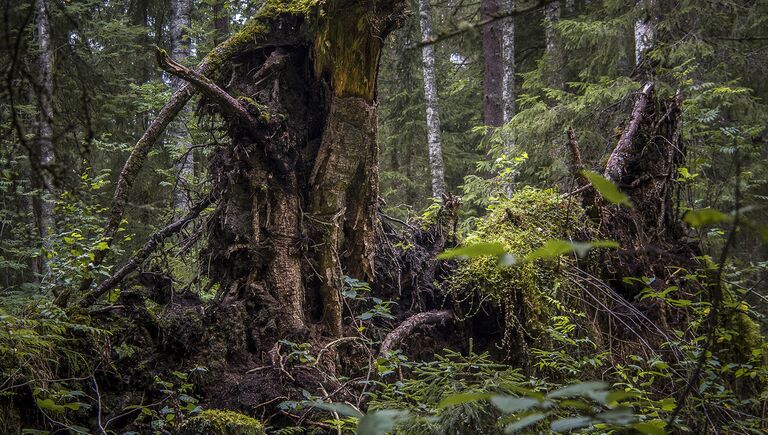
x=220, y=21
x=508, y=84
x=181, y=12
x=493, y=64
x=430, y=96
x=45, y=147
x=554, y=56
x=645, y=34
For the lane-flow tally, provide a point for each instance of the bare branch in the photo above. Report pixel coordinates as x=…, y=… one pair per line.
x=154, y=241
x=394, y=338
x=229, y=104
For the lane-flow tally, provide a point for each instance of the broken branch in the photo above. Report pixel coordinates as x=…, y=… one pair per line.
x=615, y=169
x=397, y=335
x=229, y=104
x=149, y=247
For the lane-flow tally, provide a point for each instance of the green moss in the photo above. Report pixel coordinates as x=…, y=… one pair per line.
x=221, y=422
x=525, y=291
x=347, y=49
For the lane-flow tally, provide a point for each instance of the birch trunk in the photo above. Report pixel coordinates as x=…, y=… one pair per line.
x=430, y=96
x=551, y=18
x=181, y=11
x=508, y=85
x=644, y=31
x=45, y=148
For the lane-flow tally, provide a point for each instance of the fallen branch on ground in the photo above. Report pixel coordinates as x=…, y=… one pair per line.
x=394, y=338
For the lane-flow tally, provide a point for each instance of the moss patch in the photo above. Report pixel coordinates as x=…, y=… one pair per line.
x=221, y=422
x=526, y=291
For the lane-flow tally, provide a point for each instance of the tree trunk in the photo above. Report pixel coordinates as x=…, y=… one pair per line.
x=644, y=31
x=220, y=21
x=45, y=147
x=493, y=66
x=508, y=48
x=181, y=19
x=299, y=192
x=554, y=56
x=430, y=96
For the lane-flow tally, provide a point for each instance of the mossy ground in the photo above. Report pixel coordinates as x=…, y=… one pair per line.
x=221, y=422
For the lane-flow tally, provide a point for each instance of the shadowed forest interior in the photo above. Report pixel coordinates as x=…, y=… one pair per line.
x=240, y=217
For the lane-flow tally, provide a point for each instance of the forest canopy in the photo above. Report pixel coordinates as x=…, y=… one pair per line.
x=239, y=217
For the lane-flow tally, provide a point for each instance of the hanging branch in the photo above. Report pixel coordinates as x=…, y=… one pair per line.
x=229, y=104
x=149, y=247
x=615, y=169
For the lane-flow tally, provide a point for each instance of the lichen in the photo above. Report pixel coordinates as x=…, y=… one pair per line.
x=526, y=290
x=221, y=422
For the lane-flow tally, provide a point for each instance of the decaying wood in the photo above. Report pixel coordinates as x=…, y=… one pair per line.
x=394, y=338
x=576, y=165
x=616, y=168
x=154, y=241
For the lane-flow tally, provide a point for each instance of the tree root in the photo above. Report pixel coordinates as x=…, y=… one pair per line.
x=394, y=338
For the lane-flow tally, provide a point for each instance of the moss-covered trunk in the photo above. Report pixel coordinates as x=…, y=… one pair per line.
x=298, y=199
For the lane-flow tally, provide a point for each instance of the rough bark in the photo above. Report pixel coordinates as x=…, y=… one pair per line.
x=181, y=19
x=430, y=96
x=643, y=165
x=220, y=21
x=394, y=338
x=299, y=200
x=508, y=47
x=492, y=62
x=44, y=140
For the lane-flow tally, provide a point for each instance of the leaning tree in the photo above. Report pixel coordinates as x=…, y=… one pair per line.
x=295, y=187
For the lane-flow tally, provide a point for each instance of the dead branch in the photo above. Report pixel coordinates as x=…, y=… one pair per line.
x=576, y=164
x=615, y=169
x=397, y=335
x=149, y=247
x=229, y=104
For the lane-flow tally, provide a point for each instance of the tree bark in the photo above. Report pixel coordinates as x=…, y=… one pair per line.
x=430, y=96
x=645, y=33
x=45, y=147
x=554, y=56
x=508, y=48
x=299, y=199
x=181, y=20
x=493, y=65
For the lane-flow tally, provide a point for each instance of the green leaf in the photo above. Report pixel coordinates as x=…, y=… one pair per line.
x=524, y=422
x=475, y=250
x=555, y=248
x=461, y=398
x=380, y=422
x=340, y=408
x=654, y=427
x=584, y=389
x=510, y=405
x=705, y=216
x=571, y=423
x=607, y=189
x=49, y=405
